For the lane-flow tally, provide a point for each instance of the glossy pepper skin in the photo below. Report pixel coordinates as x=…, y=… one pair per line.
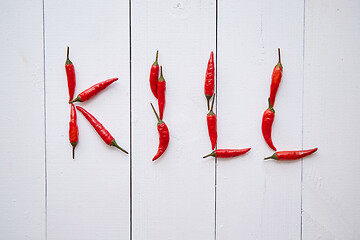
x=291, y=155
x=210, y=79
x=154, y=75
x=227, y=153
x=161, y=88
x=275, y=79
x=70, y=74
x=73, y=129
x=100, y=129
x=93, y=90
x=267, y=121
x=212, y=126
x=164, y=136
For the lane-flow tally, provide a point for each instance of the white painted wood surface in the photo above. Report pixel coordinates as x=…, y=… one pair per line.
x=105, y=194
x=88, y=198
x=254, y=195
x=173, y=198
x=22, y=124
x=331, y=208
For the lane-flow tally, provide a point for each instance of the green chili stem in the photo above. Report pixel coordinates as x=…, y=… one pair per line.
x=77, y=99
x=279, y=62
x=68, y=62
x=270, y=107
x=279, y=56
x=208, y=97
x=157, y=116
x=211, y=154
x=113, y=143
x=274, y=156
x=161, y=78
x=212, y=104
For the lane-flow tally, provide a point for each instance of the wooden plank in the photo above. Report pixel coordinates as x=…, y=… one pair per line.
x=331, y=194
x=22, y=165
x=88, y=198
x=173, y=197
x=259, y=199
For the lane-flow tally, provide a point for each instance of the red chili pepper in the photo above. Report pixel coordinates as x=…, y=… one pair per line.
x=100, y=129
x=73, y=129
x=154, y=75
x=291, y=155
x=211, y=123
x=267, y=121
x=161, y=87
x=227, y=153
x=93, y=90
x=275, y=80
x=210, y=79
x=70, y=73
x=163, y=136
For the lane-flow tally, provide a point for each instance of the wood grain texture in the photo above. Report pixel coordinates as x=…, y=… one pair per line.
x=173, y=197
x=331, y=194
x=22, y=128
x=259, y=199
x=46, y=195
x=88, y=198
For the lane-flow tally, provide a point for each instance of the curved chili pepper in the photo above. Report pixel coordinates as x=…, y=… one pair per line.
x=73, y=130
x=210, y=79
x=154, y=75
x=70, y=74
x=291, y=155
x=93, y=90
x=275, y=79
x=211, y=123
x=267, y=121
x=163, y=136
x=161, y=87
x=100, y=129
x=227, y=153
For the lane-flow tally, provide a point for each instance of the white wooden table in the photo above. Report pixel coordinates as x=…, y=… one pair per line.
x=104, y=194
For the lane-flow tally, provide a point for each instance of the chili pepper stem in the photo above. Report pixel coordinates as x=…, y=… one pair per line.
x=77, y=99
x=270, y=107
x=274, y=156
x=161, y=78
x=113, y=143
x=279, y=62
x=208, y=97
x=211, y=154
x=73, y=152
x=212, y=106
x=157, y=116
x=67, y=56
x=156, y=58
